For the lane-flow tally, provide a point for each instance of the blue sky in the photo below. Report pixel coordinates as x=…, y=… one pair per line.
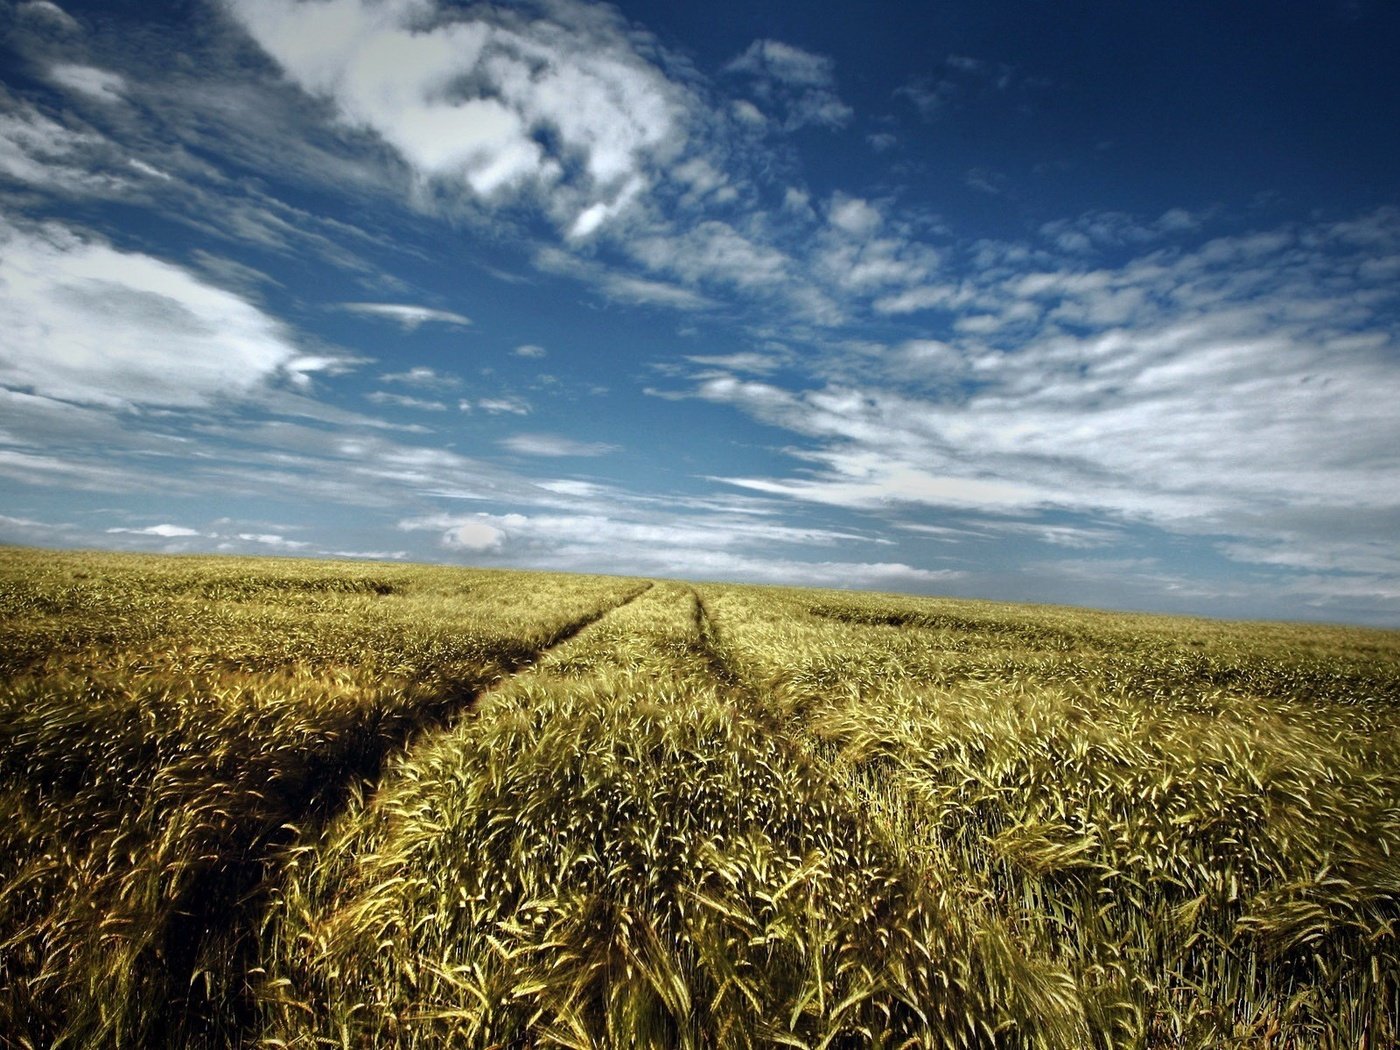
x=1090, y=303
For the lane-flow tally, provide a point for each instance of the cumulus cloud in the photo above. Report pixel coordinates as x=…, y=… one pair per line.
x=408, y=316
x=496, y=102
x=82, y=321
x=861, y=252
x=473, y=536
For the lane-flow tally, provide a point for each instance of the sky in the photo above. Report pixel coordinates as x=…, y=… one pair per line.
x=1082, y=302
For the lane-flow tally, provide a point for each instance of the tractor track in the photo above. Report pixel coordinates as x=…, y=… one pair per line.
x=226, y=904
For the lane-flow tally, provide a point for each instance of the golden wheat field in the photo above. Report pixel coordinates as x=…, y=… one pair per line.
x=286, y=803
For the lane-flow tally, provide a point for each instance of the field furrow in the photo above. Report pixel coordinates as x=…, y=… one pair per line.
x=1207, y=857
x=163, y=735
x=612, y=851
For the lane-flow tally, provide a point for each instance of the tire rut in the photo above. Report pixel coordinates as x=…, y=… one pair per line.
x=220, y=912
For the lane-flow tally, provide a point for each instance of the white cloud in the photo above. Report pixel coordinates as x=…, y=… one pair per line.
x=473, y=536
x=274, y=540
x=1076, y=537
x=423, y=377
x=1113, y=229
x=1296, y=551
x=930, y=98
x=574, y=487
x=410, y=317
x=36, y=149
x=963, y=76
x=712, y=546
x=869, y=479
x=529, y=350
x=782, y=62
x=800, y=83
x=854, y=216
x=938, y=296
x=384, y=397
x=568, y=104
x=101, y=84
x=748, y=113
x=150, y=171
x=514, y=406
x=861, y=252
x=30, y=530
x=50, y=13
x=82, y=321
x=1204, y=392
x=643, y=292
x=554, y=445
x=620, y=286
x=713, y=251
x=753, y=363
x=165, y=531
x=986, y=180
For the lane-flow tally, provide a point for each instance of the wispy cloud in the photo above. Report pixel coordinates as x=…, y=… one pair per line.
x=1095, y=231
x=961, y=78
x=799, y=87
x=164, y=531
x=515, y=406
x=44, y=153
x=385, y=397
x=882, y=141
x=100, y=84
x=49, y=14
x=409, y=317
x=554, y=445
x=1190, y=389
x=621, y=286
x=422, y=376
x=695, y=543
x=1100, y=378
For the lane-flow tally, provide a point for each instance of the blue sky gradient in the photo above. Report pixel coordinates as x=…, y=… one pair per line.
x=1091, y=303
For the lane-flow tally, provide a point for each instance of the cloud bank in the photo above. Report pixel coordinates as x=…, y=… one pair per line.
x=563, y=106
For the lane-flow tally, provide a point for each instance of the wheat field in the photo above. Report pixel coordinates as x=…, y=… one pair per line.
x=286, y=803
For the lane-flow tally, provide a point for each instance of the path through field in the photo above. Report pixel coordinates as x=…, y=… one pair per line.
x=167, y=732
x=229, y=908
